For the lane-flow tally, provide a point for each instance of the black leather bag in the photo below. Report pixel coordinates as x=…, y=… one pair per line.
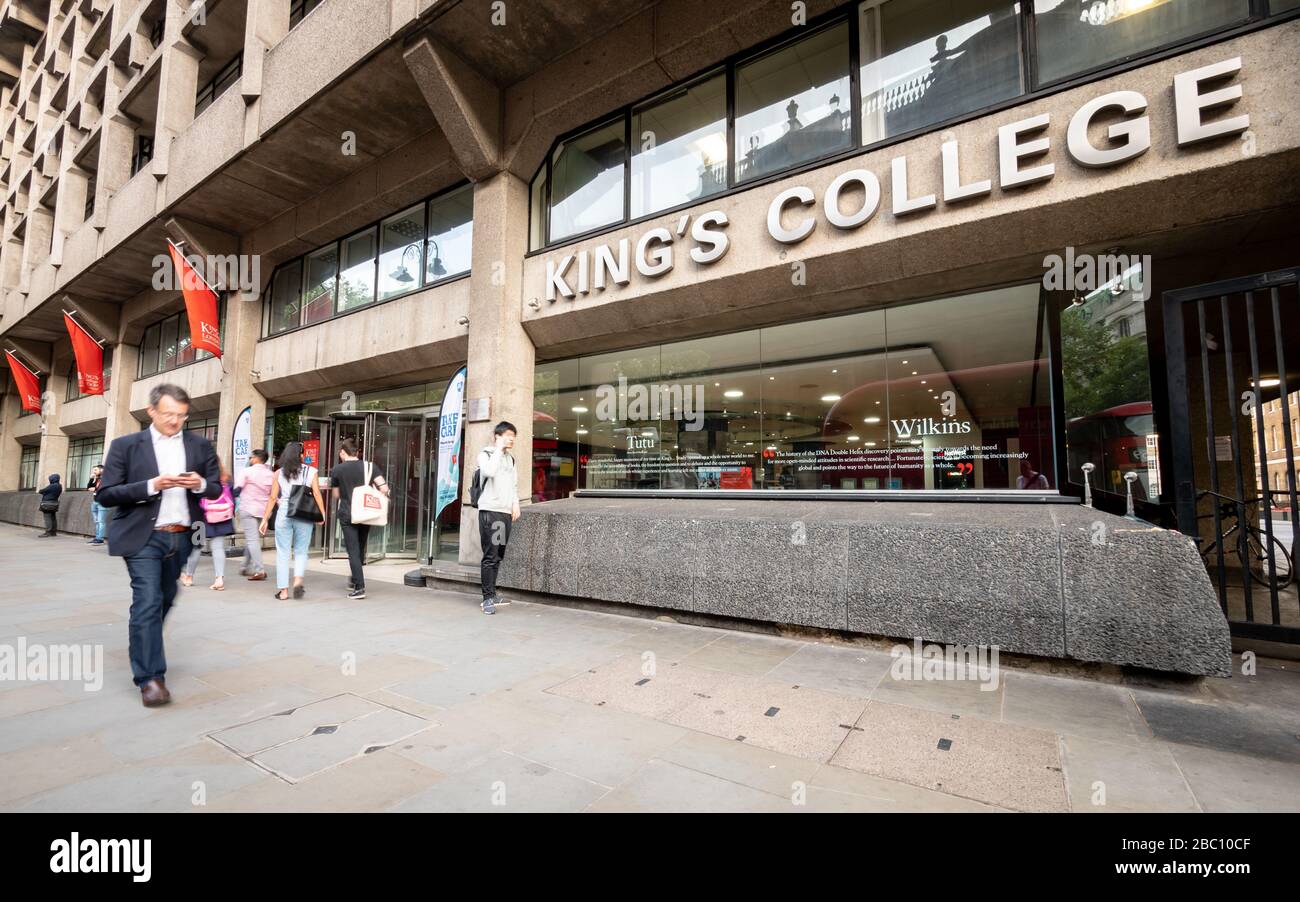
x=49, y=507
x=303, y=506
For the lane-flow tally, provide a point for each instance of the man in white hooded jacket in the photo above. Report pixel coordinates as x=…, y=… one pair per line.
x=498, y=507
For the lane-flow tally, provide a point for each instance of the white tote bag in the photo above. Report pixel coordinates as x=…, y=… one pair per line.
x=369, y=505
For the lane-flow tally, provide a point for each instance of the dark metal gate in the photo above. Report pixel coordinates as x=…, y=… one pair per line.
x=1235, y=422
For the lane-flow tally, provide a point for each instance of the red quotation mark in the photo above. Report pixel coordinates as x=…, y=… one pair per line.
x=966, y=468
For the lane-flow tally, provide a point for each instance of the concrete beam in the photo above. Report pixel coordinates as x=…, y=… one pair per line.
x=466, y=105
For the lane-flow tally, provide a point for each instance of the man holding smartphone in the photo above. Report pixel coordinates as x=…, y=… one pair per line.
x=498, y=507
x=156, y=478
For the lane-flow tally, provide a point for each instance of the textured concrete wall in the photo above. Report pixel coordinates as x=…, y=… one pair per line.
x=1028, y=578
x=23, y=508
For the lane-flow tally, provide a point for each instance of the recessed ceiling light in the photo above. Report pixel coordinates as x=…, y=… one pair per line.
x=830, y=399
x=872, y=420
x=913, y=372
x=579, y=410
x=733, y=393
x=904, y=362
x=870, y=444
x=923, y=382
x=853, y=438
x=582, y=432
x=834, y=371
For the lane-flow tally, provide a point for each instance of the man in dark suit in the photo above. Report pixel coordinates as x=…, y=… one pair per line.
x=155, y=479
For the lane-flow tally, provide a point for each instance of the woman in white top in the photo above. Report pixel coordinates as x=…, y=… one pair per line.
x=292, y=536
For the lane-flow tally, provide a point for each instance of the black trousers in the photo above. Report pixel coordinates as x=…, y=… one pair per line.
x=51, y=522
x=354, y=539
x=493, y=533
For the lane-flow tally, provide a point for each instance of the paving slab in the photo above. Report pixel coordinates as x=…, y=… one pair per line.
x=1106, y=777
x=1002, y=765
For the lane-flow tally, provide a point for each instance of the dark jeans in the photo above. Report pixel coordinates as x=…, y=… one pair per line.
x=493, y=538
x=154, y=570
x=51, y=522
x=354, y=539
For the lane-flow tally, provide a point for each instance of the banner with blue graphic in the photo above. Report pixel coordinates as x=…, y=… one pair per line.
x=449, y=434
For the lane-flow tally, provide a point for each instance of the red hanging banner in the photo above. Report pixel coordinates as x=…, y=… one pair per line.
x=90, y=358
x=200, y=304
x=29, y=386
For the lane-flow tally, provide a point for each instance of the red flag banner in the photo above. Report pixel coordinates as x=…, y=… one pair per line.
x=200, y=304
x=90, y=358
x=29, y=387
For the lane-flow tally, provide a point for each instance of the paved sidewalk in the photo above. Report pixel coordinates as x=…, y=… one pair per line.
x=413, y=700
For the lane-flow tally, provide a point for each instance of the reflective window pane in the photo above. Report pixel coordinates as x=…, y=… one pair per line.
x=400, y=238
x=1107, y=386
x=926, y=62
x=588, y=181
x=680, y=147
x=149, y=350
x=792, y=105
x=1076, y=35
x=286, y=297
x=451, y=235
x=318, y=291
x=185, y=352
x=167, y=344
x=357, y=280
x=969, y=394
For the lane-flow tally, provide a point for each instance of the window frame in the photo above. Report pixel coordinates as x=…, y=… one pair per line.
x=180, y=317
x=1259, y=17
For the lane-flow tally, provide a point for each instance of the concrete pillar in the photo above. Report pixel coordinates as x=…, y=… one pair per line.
x=54, y=442
x=126, y=362
x=501, y=355
x=11, y=452
x=239, y=344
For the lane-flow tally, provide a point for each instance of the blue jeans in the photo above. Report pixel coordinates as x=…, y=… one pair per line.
x=100, y=515
x=292, y=537
x=154, y=570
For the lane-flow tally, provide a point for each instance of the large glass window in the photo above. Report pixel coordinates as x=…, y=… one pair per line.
x=83, y=454
x=1077, y=35
x=421, y=245
x=286, y=297
x=587, y=181
x=925, y=62
x=944, y=394
x=27, y=465
x=792, y=104
x=451, y=235
x=321, y=274
x=149, y=350
x=168, y=344
x=357, y=283
x=1106, y=385
x=400, y=240
x=680, y=147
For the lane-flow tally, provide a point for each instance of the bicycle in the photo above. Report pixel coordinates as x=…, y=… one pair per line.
x=1249, y=543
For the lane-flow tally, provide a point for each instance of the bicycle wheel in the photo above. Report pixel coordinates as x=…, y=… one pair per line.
x=1257, y=560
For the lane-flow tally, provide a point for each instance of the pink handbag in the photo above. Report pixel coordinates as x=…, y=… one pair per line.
x=219, y=510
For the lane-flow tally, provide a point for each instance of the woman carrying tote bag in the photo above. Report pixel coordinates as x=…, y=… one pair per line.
x=298, y=506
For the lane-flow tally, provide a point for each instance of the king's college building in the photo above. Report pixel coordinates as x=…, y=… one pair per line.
x=968, y=321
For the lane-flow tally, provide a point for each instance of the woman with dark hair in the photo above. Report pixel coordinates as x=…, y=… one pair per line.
x=292, y=533
x=50, y=505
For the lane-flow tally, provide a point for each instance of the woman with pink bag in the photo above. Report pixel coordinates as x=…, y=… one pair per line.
x=219, y=522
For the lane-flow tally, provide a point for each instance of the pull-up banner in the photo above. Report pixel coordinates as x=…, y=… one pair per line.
x=200, y=303
x=90, y=358
x=450, y=425
x=29, y=387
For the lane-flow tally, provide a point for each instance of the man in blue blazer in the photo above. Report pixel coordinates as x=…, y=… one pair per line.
x=155, y=478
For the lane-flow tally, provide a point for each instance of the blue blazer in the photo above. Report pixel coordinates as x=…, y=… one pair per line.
x=125, y=486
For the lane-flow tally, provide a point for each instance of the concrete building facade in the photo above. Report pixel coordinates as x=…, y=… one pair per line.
x=749, y=250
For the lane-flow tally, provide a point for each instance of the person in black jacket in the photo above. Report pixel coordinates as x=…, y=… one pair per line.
x=155, y=478
x=50, y=505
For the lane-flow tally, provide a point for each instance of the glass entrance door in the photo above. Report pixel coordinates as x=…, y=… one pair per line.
x=395, y=443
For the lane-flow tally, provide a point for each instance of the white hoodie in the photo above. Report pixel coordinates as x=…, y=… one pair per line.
x=499, y=481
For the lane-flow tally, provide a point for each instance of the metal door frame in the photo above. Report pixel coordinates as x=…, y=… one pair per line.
x=1260, y=294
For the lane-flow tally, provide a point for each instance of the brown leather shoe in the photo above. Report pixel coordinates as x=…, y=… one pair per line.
x=154, y=693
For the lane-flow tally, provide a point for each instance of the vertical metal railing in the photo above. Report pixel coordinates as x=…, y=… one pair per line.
x=1235, y=434
x=1211, y=454
x=1262, y=453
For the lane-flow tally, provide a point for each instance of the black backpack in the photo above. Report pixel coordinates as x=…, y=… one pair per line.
x=475, y=488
